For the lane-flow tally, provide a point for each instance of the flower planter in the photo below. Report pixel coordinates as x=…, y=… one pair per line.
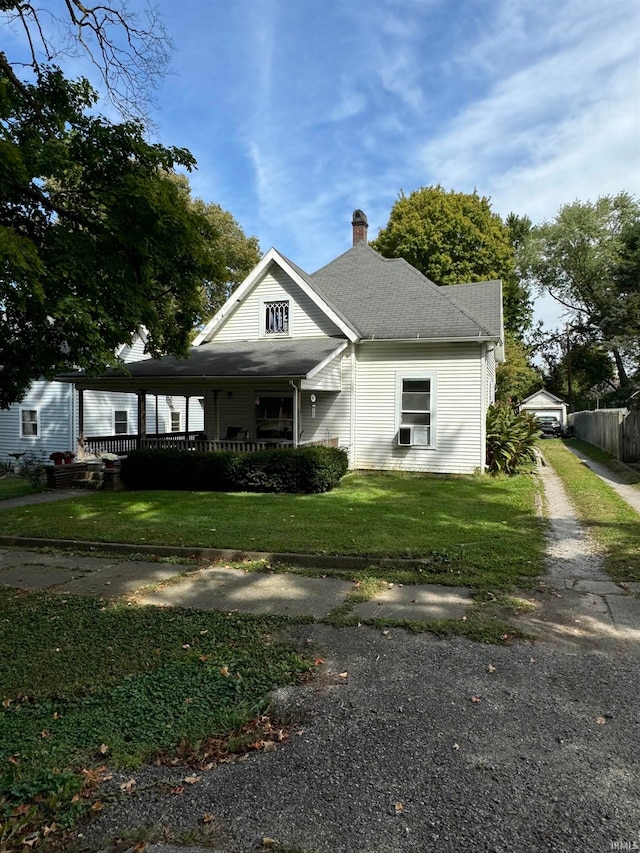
x=62, y=457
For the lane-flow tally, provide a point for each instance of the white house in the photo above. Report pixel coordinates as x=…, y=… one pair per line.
x=48, y=418
x=543, y=403
x=365, y=351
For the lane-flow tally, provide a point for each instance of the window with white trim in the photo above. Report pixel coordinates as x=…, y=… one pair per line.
x=175, y=421
x=276, y=317
x=416, y=399
x=29, y=423
x=120, y=422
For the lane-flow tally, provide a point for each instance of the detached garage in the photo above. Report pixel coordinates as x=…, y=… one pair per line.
x=544, y=403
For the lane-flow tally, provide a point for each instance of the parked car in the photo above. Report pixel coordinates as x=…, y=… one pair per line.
x=549, y=426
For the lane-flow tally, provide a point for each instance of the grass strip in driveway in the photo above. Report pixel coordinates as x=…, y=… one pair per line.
x=83, y=681
x=480, y=531
x=612, y=522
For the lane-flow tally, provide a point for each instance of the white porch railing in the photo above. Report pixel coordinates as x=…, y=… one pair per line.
x=123, y=444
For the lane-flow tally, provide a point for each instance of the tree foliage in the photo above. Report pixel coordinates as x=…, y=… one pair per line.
x=233, y=254
x=98, y=236
x=588, y=259
x=95, y=239
x=130, y=50
x=516, y=377
x=576, y=369
x=454, y=238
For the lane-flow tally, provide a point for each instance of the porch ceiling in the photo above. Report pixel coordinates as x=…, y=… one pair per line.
x=227, y=361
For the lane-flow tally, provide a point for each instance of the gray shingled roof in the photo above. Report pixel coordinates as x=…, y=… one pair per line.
x=261, y=359
x=313, y=284
x=389, y=299
x=481, y=299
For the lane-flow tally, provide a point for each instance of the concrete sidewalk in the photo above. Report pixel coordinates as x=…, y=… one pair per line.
x=221, y=588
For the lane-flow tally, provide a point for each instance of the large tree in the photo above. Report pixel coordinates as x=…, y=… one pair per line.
x=454, y=238
x=233, y=254
x=97, y=235
x=516, y=377
x=587, y=259
x=128, y=48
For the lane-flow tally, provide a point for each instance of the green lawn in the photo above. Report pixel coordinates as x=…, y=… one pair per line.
x=83, y=682
x=610, y=520
x=480, y=531
x=13, y=486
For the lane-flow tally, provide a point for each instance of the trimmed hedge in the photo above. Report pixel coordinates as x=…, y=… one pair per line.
x=303, y=469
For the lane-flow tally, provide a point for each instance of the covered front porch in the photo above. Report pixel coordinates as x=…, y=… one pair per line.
x=253, y=396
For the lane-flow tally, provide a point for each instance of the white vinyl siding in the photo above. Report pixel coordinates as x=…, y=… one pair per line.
x=57, y=405
x=327, y=379
x=54, y=403
x=332, y=409
x=459, y=412
x=135, y=350
x=247, y=321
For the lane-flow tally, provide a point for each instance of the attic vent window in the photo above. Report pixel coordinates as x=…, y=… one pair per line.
x=276, y=318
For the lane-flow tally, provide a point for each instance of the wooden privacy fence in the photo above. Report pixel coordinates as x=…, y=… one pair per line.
x=615, y=430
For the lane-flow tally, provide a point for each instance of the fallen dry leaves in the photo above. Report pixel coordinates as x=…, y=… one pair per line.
x=259, y=734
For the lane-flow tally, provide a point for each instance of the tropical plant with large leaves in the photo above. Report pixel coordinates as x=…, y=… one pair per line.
x=511, y=439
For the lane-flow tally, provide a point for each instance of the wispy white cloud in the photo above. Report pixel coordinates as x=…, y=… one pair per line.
x=566, y=125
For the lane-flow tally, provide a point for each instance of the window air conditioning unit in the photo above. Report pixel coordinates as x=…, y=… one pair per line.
x=405, y=437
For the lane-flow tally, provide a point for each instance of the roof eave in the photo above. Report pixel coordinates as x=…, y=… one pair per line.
x=475, y=339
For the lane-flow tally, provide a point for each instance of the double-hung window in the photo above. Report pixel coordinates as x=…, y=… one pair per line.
x=276, y=317
x=175, y=421
x=416, y=409
x=120, y=422
x=29, y=423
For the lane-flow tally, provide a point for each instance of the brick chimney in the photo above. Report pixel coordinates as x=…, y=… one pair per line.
x=360, y=225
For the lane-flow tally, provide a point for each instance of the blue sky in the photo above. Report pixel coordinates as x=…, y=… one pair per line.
x=298, y=112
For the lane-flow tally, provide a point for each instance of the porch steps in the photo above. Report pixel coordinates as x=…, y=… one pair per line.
x=90, y=478
x=75, y=475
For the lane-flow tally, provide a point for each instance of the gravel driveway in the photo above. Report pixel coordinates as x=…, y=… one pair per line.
x=436, y=745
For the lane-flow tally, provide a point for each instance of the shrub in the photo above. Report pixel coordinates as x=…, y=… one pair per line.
x=511, y=439
x=32, y=468
x=303, y=469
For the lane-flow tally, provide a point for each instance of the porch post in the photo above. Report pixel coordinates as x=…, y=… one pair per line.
x=142, y=416
x=81, y=411
x=80, y=448
x=157, y=422
x=296, y=414
x=186, y=420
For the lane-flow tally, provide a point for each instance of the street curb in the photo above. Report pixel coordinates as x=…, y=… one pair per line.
x=312, y=561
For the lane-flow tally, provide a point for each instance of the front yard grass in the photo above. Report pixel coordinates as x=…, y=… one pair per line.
x=88, y=685
x=477, y=531
x=611, y=521
x=13, y=486
x=84, y=682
